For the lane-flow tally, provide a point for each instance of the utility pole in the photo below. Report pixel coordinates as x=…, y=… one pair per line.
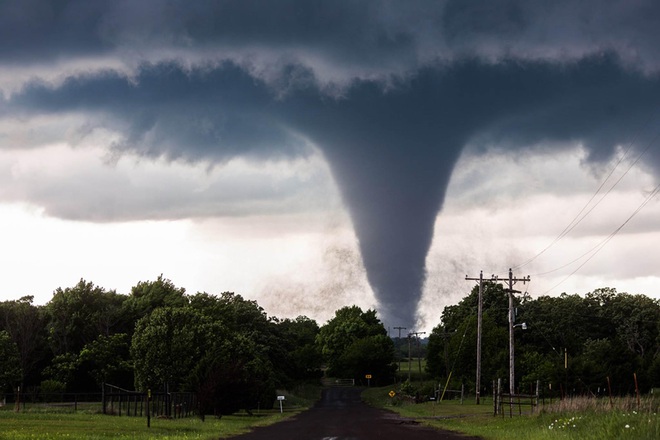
x=419, y=354
x=399, y=343
x=416, y=334
x=479, y=318
x=409, y=334
x=511, y=282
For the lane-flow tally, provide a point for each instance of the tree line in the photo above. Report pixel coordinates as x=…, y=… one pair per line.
x=224, y=348
x=232, y=355
x=577, y=344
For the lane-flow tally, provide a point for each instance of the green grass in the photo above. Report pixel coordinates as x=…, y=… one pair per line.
x=56, y=426
x=582, y=419
x=61, y=422
x=412, y=365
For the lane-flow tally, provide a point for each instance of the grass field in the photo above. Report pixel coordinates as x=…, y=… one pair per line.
x=61, y=422
x=583, y=419
x=410, y=367
x=81, y=425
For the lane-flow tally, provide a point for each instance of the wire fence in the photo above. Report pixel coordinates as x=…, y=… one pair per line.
x=112, y=400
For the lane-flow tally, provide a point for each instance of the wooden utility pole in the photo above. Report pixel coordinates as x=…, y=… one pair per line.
x=399, y=344
x=416, y=334
x=512, y=319
x=409, y=356
x=479, y=318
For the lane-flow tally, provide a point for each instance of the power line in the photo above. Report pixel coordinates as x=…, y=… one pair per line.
x=602, y=244
x=581, y=215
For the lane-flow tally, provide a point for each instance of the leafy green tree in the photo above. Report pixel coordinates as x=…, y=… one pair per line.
x=25, y=325
x=635, y=320
x=167, y=344
x=63, y=369
x=604, y=334
x=235, y=313
x=338, y=341
x=254, y=353
x=373, y=355
x=78, y=315
x=240, y=316
x=146, y=296
x=234, y=374
x=108, y=359
x=299, y=356
x=219, y=347
x=10, y=370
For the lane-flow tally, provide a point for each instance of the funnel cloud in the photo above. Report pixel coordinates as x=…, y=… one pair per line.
x=391, y=94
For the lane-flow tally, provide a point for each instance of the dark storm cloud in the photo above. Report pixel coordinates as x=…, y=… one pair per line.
x=165, y=111
x=34, y=31
x=411, y=85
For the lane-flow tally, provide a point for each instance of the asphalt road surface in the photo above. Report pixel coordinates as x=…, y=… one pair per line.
x=341, y=415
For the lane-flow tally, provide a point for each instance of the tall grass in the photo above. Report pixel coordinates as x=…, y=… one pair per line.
x=578, y=418
x=646, y=404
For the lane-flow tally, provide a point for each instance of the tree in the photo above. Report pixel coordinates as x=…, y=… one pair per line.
x=146, y=296
x=373, y=355
x=215, y=346
x=234, y=312
x=108, y=359
x=10, y=370
x=298, y=355
x=234, y=374
x=63, y=370
x=167, y=344
x=78, y=315
x=341, y=338
x=25, y=325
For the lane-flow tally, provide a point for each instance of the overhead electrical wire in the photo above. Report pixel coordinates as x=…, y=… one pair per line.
x=602, y=244
x=581, y=215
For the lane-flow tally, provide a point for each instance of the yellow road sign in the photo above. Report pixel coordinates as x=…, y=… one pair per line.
x=392, y=393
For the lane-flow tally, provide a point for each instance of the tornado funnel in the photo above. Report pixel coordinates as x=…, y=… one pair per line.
x=391, y=154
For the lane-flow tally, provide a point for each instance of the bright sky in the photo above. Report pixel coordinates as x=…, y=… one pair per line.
x=300, y=154
x=309, y=263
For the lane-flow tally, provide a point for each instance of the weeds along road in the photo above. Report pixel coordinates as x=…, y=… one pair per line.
x=341, y=415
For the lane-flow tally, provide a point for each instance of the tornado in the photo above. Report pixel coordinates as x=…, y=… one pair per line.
x=391, y=153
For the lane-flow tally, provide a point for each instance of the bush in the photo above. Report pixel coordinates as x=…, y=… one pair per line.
x=407, y=388
x=52, y=387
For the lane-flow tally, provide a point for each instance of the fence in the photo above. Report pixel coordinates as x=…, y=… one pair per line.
x=502, y=399
x=440, y=394
x=64, y=402
x=119, y=401
x=112, y=400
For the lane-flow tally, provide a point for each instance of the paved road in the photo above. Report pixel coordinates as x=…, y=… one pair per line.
x=341, y=415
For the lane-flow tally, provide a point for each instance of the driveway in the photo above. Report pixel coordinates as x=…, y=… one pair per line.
x=341, y=415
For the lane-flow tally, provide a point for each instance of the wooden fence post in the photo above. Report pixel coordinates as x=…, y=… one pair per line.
x=536, y=400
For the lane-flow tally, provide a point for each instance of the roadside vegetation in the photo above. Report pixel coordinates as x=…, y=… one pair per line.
x=39, y=421
x=93, y=426
x=575, y=418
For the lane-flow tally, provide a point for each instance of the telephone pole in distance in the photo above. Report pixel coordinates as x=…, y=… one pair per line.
x=399, y=343
x=479, y=317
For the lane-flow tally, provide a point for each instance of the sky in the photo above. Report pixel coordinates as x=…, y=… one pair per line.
x=311, y=155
